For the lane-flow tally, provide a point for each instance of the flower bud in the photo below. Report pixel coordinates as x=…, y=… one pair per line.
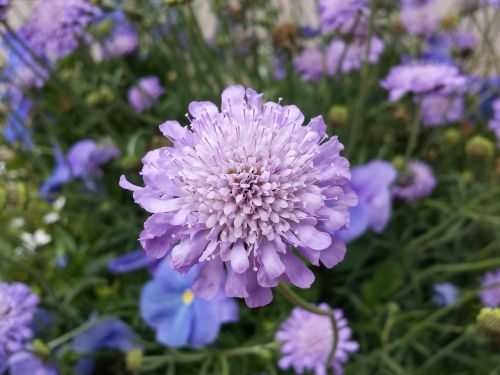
x=104, y=28
x=133, y=359
x=337, y=115
x=398, y=162
x=479, y=148
x=452, y=136
x=488, y=321
x=40, y=348
x=285, y=37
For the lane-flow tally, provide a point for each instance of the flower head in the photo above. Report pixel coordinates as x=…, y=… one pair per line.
x=414, y=3
x=371, y=182
x=490, y=295
x=55, y=26
x=423, y=20
x=307, y=340
x=241, y=187
x=17, y=309
x=445, y=294
x=178, y=316
x=341, y=14
x=145, y=94
x=423, y=78
x=441, y=109
x=310, y=64
x=417, y=181
x=120, y=41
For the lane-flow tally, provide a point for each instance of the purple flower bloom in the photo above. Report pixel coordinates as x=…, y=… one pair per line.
x=240, y=187
x=131, y=262
x=308, y=338
x=17, y=309
x=416, y=182
x=490, y=295
x=145, y=94
x=423, y=20
x=414, y=3
x=341, y=14
x=55, y=26
x=310, y=64
x=16, y=127
x=445, y=294
x=109, y=334
x=441, y=109
x=353, y=58
x=4, y=7
x=83, y=161
x=423, y=78
x=123, y=39
x=23, y=363
x=492, y=3
x=178, y=316
x=494, y=123
x=371, y=182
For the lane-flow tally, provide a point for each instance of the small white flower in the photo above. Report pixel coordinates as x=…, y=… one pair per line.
x=51, y=218
x=16, y=223
x=59, y=203
x=32, y=241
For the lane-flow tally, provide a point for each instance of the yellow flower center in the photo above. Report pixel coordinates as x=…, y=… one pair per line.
x=187, y=297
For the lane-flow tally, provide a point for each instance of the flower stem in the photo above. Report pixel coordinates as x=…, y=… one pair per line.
x=74, y=332
x=415, y=130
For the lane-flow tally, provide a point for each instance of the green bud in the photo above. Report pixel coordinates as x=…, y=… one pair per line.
x=104, y=28
x=130, y=161
x=93, y=99
x=337, y=115
x=488, y=321
x=265, y=354
x=40, y=348
x=450, y=22
x=133, y=359
x=479, y=148
x=398, y=162
x=452, y=136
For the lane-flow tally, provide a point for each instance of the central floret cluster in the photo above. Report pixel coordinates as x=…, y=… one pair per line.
x=242, y=187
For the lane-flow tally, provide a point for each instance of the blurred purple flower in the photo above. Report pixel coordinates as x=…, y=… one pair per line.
x=417, y=181
x=26, y=363
x=16, y=127
x=307, y=341
x=352, y=58
x=17, y=310
x=423, y=20
x=414, y=3
x=490, y=294
x=145, y=94
x=341, y=15
x=55, y=26
x=122, y=40
x=492, y=3
x=179, y=317
x=423, y=78
x=238, y=189
x=109, y=334
x=131, y=262
x=441, y=109
x=310, y=64
x=83, y=162
x=371, y=182
x=445, y=294
x=4, y=7
x=494, y=123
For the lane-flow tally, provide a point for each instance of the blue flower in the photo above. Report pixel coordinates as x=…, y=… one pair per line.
x=445, y=294
x=371, y=182
x=109, y=334
x=131, y=262
x=178, y=316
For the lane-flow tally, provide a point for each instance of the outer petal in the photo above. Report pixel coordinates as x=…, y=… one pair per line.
x=206, y=323
x=271, y=261
x=174, y=331
x=311, y=237
x=207, y=283
x=187, y=253
x=334, y=254
x=297, y=271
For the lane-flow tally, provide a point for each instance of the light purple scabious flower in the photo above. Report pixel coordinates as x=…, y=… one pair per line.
x=414, y=3
x=492, y=3
x=4, y=7
x=417, y=181
x=351, y=59
x=17, y=309
x=490, y=295
x=56, y=26
x=441, y=109
x=494, y=123
x=310, y=64
x=240, y=188
x=145, y=93
x=423, y=20
x=25, y=363
x=341, y=15
x=307, y=341
x=372, y=183
x=123, y=41
x=445, y=294
x=423, y=78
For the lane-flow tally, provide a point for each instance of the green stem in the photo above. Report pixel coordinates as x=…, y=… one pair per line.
x=74, y=332
x=415, y=130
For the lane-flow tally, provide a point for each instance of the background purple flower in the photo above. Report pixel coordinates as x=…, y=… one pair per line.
x=352, y=58
x=445, y=294
x=122, y=39
x=4, y=7
x=416, y=181
x=145, y=94
x=422, y=20
x=17, y=309
x=16, y=127
x=414, y=3
x=55, y=26
x=441, y=109
x=310, y=64
x=239, y=190
x=109, y=334
x=494, y=123
x=371, y=182
x=178, y=316
x=307, y=340
x=25, y=363
x=490, y=295
x=340, y=14
x=423, y=78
